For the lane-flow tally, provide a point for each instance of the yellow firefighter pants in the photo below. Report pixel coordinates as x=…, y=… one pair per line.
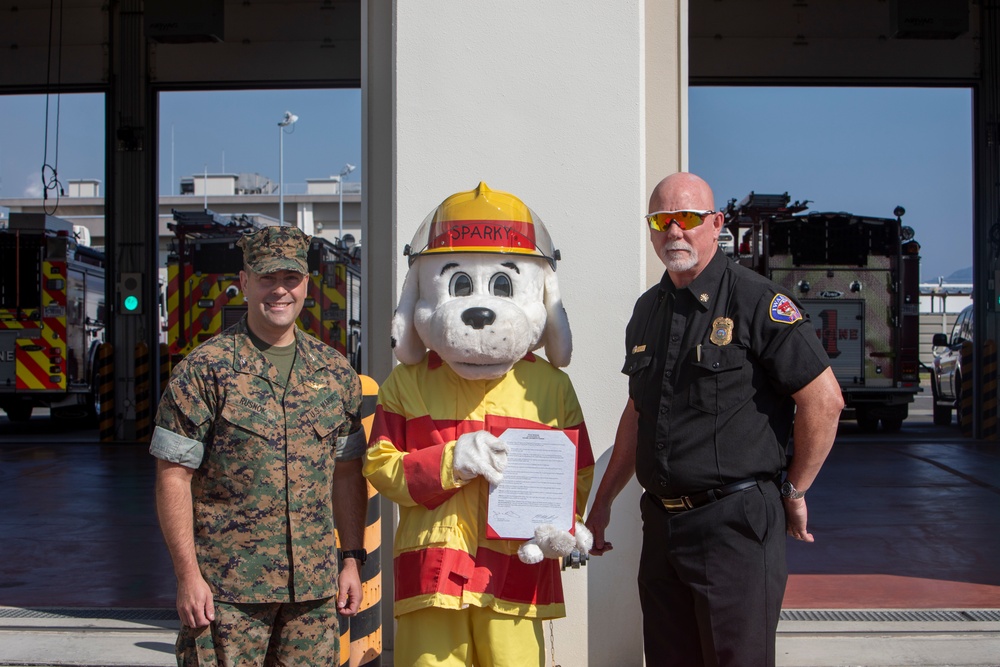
x=473, y=636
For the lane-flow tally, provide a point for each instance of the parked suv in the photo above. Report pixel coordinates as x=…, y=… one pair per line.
x=946, y=378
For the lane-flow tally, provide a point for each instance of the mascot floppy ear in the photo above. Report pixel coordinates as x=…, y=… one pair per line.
x=556, y=337
x=406, y=342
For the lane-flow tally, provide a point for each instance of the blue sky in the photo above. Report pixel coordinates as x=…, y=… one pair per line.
x=860, y=150
x=238, y=132
x=232, y=131
x=864, y=151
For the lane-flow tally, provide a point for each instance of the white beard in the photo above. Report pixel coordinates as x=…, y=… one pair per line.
x=678, y=263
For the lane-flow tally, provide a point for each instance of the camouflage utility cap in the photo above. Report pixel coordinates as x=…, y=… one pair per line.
x=275, y=249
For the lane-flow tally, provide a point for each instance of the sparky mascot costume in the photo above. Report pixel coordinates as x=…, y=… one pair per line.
x=480, y=296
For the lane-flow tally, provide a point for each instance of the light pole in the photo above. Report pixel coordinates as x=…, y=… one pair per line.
x=289, y=119
x=348, y=168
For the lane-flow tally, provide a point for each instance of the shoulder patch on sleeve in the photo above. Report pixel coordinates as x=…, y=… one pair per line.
x=783, y=310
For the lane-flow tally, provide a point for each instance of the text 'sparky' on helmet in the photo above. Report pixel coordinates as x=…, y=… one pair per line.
x=482, y=220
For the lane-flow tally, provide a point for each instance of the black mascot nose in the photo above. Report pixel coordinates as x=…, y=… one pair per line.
x=477, y=318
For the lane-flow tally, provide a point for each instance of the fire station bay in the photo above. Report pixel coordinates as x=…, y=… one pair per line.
x=99, y=301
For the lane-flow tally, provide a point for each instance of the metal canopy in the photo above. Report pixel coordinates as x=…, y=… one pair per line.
x=270, y=42
x=192, y=43
x=856, y=42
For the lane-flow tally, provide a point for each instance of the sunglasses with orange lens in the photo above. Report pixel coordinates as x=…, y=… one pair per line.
x=686, y=219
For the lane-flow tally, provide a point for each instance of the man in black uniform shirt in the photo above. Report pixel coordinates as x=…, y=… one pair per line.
x=719, y=361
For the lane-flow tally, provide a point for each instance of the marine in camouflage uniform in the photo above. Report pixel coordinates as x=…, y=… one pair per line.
x=259, y=442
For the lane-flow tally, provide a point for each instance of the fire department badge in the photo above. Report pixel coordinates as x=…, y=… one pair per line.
x=722, y=331
x=783, y=310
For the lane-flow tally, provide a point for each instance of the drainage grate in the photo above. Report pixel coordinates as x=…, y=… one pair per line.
x=87, y=612
x=893, y=616
x=837, y=615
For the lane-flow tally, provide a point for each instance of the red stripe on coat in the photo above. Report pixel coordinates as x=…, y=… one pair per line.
x=451, y=572
x=423, y=477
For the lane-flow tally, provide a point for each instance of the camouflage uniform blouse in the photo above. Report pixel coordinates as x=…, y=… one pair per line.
x=263, y=507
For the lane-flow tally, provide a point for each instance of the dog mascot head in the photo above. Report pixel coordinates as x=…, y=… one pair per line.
x=481, y=291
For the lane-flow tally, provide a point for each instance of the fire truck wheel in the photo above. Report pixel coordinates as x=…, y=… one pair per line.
x=19, y=412
x=867, y=422
x=892, y=424
x=942, y=415
x=94, y=401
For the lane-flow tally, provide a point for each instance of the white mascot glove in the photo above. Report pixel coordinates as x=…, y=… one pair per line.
x=480, y=454
x=550, y=542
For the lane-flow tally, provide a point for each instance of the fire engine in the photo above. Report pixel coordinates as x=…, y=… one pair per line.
x=52, y=316
x=203, y=294
x=857, y=277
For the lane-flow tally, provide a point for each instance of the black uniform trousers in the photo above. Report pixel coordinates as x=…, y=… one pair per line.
x=711, y=580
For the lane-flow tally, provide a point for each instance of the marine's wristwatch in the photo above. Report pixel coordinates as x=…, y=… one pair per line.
x=788, y=490
x=359, y=555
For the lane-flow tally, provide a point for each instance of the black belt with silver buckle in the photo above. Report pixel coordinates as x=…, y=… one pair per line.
x=685, y=503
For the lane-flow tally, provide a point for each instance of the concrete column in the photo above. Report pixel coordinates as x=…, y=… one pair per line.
x=986, y=268
x=131, y=223
x=379, y=249
x=304, y=218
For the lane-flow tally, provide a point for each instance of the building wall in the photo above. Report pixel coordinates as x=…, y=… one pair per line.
x=214, y=184
x=84, y=188
x=946, y=303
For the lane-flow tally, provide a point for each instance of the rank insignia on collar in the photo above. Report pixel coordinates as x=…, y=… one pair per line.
x=703, y=298
x=722, y=331
x=783, y=310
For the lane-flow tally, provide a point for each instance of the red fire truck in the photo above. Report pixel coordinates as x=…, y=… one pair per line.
x=203, y=285
x=52, y=312
x=858, y=278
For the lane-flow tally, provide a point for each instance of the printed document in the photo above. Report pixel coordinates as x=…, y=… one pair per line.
x=538, y=486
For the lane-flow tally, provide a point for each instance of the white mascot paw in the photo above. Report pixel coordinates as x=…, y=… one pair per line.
x=480, y=454
x=548, y=542
x=529, y=553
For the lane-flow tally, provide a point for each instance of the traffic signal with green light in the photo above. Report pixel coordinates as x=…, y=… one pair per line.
x=130, y=294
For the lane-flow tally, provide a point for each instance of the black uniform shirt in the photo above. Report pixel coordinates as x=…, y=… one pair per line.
x=712, y=367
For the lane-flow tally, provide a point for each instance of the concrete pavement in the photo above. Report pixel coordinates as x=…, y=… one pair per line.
x=92, y=637
x=144, y=638
x=905, y=569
